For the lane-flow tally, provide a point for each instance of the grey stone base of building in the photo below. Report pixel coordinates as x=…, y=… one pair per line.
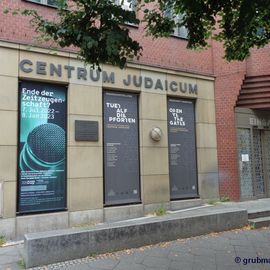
x=15, y=228
x=62, y=245
x=184, y=204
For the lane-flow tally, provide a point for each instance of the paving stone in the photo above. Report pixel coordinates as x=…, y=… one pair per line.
x=225, y=259
x=254, y=267
x=204, y=260
x=241, y=242
x=266, y=234
x=151, y=261
x=216, y=239
x=140, y=256
x=225, y=249
x=81, y=267
x=228, y=267
x=106, y=264
x=247, y=253
x=177, y=265
x=176, y=256
x=225, y=252
x=159, y=252
x=236, y=235
x=8, y=250
x=258, y=238
x=203, y=242
x=131, y=266
x=204, y=267
x=12, y=266
x=261, y=244
x=249, y=246
x=263, y=251
x=203, y=252
x=156, y=268
x=9, y=259
x=184, y=248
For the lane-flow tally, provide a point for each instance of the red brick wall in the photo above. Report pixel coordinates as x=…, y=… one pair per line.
x=259, y=62
x=229, y=78
x=17, y=28
x=227, y=88
x=170, y=53
x=228, y=82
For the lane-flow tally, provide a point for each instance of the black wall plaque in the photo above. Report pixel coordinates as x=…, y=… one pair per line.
x=121, y=149
x=182, y=149
x=86, y=130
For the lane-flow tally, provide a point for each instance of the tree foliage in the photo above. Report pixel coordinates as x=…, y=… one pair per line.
x=239, y=24
x=98, y=28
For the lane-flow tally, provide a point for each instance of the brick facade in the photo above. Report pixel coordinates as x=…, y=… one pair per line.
x=171, y=53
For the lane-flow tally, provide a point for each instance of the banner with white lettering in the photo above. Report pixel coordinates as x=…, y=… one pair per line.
x=42, y=147
x=121, y=148
x=182, y=149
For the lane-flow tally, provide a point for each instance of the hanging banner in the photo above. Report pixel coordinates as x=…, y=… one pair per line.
x=121, y=148
x=42, y=148
x=182, y=149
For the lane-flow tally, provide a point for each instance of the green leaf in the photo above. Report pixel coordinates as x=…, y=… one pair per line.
x=97, y=28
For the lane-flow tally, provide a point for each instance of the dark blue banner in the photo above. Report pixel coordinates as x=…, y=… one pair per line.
x=182, y=149
x=42, y=148
x=121, y=148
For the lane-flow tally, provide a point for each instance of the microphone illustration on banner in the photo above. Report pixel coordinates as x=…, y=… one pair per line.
x=44, y=149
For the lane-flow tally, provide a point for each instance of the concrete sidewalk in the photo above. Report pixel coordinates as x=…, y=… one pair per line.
x=250, y=206
x=234, y=250
x=11, y=256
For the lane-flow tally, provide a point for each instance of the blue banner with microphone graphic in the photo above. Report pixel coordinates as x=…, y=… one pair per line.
x=42, y=153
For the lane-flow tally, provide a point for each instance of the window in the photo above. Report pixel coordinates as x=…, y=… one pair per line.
x=45, y=2
x=179, y=31
x=126, y=4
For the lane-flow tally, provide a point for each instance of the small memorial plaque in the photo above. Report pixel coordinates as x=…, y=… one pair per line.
x=86, y=130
